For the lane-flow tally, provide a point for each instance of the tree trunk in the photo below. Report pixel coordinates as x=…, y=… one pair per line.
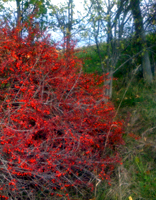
x=18, y=12
x=109, y=51
x=147, y=73
x=70, y=22
x=140, y=35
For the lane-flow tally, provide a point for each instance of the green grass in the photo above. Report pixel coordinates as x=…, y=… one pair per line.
x=136, y=178
x=91, y=59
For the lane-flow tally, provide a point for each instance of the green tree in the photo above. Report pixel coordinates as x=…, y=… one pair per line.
x=24, y=8
x=107, y=20
x=67, y=20
x=64, y=19
x=111, y=22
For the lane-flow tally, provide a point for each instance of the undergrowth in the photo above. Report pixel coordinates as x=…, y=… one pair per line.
x=135, y=179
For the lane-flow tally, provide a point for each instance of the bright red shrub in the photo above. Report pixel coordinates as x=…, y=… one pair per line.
x=56, y=129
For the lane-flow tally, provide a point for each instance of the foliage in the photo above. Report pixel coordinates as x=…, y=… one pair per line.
x=91, y=59
x=57, y=134
x=137, y=110
x=129, y=55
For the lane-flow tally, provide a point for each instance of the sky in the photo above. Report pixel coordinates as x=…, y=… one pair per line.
x=78, y=3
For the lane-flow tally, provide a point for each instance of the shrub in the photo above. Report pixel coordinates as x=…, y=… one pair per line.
x=57, y=134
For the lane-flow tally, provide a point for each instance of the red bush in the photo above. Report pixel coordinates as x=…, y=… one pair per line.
x=56, y=129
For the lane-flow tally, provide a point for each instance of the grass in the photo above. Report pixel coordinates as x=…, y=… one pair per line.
x=135, y=179
x=91, y=59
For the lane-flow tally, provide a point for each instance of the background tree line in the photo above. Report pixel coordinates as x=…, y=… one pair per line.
x=112, y=25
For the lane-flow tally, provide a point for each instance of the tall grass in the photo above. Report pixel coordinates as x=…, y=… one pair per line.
x=135, y=179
